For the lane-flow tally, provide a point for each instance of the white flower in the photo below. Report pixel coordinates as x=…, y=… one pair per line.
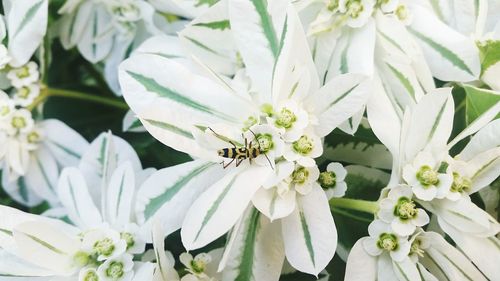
x=332, y=180
x=20, y=121
x=303, y=150
x=423, y=176
x=24, y=76
x=357, y=11
x=303, y=179
x=7, y=106
x=105, y=243
x=269, y=142
x=25, y=95
x=116, y=269
x=291, y=119
x=401, y=212
x=88, y=274
x=4, y=56
x=384, y=239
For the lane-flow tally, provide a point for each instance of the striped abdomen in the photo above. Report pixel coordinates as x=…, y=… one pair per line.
x=239, y=153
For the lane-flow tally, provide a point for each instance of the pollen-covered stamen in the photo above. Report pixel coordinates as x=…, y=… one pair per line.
x=90, y=276
x=129, y=239
x=33, y=137
x=300, y=175
x=427, y=176
x=304, y=145
x=104, y=247
x=416, y=248
x=115, y=270
x=285, y=118
x=405, y=209
x=265, y=142
x=327, y=179
x=387, y=241
x=460, y=184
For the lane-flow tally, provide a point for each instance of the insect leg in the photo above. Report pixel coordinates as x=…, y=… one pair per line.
x=229, y=163
x=238, y=161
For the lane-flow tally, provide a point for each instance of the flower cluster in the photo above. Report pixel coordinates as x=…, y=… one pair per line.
x=249, y=140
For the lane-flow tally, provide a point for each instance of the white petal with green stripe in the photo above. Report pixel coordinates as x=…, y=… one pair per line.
x=14, y=266
x=338, y=100
x=431, y=122
x=64, y=143
x=221, y=205
x=173, y=190
x=295, y=74
x=203, y=37
x=449, y=261
x=102, y=157
x=19, y=191
x=132, y=124
x=274, y=205
x=484, y=252
x=257, y=252
x=354, y=52
x=120, y=196
x=75, y=197
x=406, y=270
x=257, y=27
x=464, y=215
x=485, y=168
x=147, y=79
x=486, y=138
x=43, y=175
x=46, y=246
x=450, y=55
x=27, y=25
x=309, y=233
x=96, y=41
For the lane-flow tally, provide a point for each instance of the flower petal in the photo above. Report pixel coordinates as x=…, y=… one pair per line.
x=360, y=265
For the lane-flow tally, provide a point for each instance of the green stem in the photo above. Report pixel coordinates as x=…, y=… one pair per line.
x=52, y=92
x=354, y=204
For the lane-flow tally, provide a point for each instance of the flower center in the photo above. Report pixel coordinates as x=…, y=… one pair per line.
x=265, y=142
x=401, y=12
x=333, y=5
x=18, y=122
x=115, y=270
x=23, y=93
x=327, y=179
x=104, y=247
x=129, y=238
x=285, y=118
x=304, y=145
x=4, y=110
x=387, y=241
x=33, y=137
x=354, y=8
x=23, y=72
x=300, y=175
x=198, y=266
x=127, y=12
x=405, y=209
x=460, y=184
x=427, y=176
x=91, y=276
